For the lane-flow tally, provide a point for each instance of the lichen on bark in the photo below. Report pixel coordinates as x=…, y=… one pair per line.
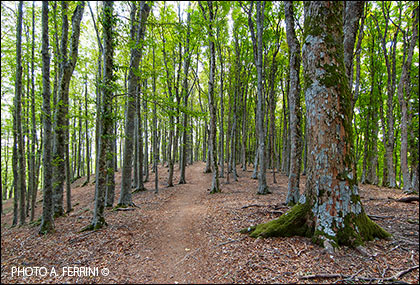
x=330, y=211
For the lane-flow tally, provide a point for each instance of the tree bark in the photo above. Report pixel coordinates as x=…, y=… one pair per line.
x=137, y=34
x=403, y=98
x=106, y=117
x=294, y=107
x=32, y=184
x=215, y=187
x=330, y=211
x=19, y=154
x=187, y=60
x=67, y=65
x=47, y=221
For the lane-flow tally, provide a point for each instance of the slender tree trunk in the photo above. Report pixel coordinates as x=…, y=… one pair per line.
x=222, y=106
x=294, y=107
x=106, y=117
x=68, y=175
x=47, y=221
x=408, y=54
x=139, y=161
x=187, y=60
x=20, y=178
x=155, y=135
x=87, y=135
x=146, y=140
x=257, y=42
x=33, y=189
x=215, y=188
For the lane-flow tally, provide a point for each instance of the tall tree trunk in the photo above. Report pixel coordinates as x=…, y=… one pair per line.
x=244, y=128
x=352, y=13
x=330, y=211
x=294, y=107
x=106, y=117
x=215, y=187
x=20, y=178
x=222, y=107
x=155, y=135
x=258, y=42
x=187, y=60
x=47, y=221
x=171, y=116
x=33, y=189
x=408, y=55
x=139, y=158
x=87, y=135
x=146, y=139
x=137, y=34
x=67, y=65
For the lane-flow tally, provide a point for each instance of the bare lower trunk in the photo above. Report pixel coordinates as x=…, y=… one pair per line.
x=137, y=34
x=294, y=107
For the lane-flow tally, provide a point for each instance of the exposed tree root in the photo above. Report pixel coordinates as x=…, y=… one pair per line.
x=299, y=222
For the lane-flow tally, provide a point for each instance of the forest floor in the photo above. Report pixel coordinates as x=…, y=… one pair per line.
x=183, y=234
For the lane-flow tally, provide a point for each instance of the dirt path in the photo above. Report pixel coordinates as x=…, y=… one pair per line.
x=185, y=235
x=181, y=240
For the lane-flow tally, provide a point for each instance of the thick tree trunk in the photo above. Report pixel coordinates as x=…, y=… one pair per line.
x=330, y=211
x=294, y=107
x=137, y=34
x=47, y=221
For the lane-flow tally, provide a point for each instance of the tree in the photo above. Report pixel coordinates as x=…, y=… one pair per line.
x=18, y=144
x=67, y=64
x=402, y=86
x=187, y=60
x=105, y=138
x=257, y=41
x=330, y=211
x=137, y=32
x=47, y=221
x=294, y=107
x=215, y=187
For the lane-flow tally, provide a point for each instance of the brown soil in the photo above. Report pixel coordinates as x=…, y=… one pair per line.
x=184, y=234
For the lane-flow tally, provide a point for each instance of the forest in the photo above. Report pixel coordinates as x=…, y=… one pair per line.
x=210, y=142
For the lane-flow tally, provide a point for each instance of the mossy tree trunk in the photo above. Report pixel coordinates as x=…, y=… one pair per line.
x=330, y=210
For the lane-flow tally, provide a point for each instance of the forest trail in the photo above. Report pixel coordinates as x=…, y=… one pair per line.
x=183, y=234
x=181, y=239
